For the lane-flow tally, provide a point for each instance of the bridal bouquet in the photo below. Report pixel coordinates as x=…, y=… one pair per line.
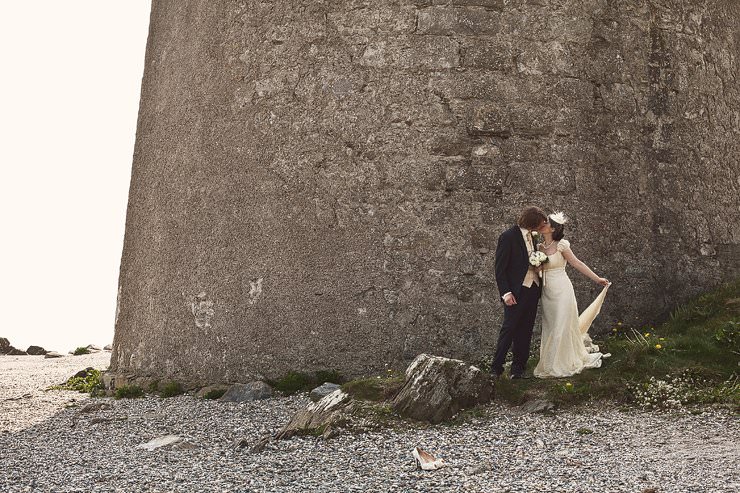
x=538, y=258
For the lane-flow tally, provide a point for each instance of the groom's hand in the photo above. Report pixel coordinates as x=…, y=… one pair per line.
x=509, y=300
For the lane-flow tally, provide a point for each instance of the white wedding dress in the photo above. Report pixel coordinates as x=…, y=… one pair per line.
x=566, y=347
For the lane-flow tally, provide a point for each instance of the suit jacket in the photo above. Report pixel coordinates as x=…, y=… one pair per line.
x=512, y=262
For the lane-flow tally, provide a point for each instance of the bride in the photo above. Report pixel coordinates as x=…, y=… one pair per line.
x=566, y=348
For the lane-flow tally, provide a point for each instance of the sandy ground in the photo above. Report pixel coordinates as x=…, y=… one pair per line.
x=24, y=401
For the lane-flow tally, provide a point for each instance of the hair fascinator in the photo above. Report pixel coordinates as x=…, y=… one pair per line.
x=558, y=217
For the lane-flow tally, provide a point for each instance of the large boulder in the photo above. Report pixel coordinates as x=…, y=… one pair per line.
x=252, y=391
x=6, y=348
x=437, y=388
x=36, y=351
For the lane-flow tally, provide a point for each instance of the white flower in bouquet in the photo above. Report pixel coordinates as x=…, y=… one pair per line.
x=538, y=258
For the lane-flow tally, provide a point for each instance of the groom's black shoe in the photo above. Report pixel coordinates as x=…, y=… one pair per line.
x=520, y=376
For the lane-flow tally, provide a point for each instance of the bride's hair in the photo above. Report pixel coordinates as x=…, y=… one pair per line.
x=559, y=232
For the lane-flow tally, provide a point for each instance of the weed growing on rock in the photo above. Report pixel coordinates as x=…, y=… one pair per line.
x=90, y=384
x=80, y=351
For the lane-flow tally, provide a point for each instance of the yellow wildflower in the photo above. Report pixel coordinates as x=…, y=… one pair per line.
x=647, y=334
x=658, y=346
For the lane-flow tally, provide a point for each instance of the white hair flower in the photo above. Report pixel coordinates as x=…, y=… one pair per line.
x=558, y=217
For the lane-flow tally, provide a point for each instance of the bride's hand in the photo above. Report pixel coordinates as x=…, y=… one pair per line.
x=603, y=281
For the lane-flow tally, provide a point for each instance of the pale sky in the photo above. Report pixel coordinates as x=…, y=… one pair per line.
x=70, y=83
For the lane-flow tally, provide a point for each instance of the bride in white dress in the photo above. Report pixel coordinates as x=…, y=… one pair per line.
x=566, y=348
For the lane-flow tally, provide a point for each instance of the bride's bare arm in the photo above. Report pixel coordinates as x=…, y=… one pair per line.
x=582, y=268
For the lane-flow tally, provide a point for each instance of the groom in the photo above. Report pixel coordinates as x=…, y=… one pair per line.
x=519, y=287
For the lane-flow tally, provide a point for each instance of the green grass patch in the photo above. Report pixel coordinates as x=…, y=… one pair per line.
x=80, y=351
x=374, y=388
x=215, y=394
x=692, y=357
x=171, y=389
x=301, y=382
x=129, y=392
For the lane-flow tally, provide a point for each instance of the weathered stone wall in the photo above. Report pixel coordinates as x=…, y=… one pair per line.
x=320, y=184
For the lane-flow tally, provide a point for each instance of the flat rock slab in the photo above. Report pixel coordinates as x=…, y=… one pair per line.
x=437, y=388
x=242, y=392
x=160, y=442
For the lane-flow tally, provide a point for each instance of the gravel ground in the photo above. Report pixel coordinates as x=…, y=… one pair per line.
x=66, y=451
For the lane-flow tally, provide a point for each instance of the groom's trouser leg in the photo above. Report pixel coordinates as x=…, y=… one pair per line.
x=523, y=334
x=512, y=317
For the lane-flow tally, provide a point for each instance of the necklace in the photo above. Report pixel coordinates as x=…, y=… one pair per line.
x=547, y=245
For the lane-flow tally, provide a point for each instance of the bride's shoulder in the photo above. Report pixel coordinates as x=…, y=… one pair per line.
x=563, y=245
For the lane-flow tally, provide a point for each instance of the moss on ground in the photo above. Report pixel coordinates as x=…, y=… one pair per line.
x=700, y=343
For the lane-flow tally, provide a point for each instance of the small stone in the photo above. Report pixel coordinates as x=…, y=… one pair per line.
x=94, y=407
x=108, y=347
x=323, y=390
x=537, y=406
x=53, y=354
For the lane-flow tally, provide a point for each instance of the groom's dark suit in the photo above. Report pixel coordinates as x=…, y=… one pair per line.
x=512, y=264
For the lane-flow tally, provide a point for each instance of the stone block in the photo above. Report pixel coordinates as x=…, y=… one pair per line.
x=448, y=21
x=495, y=55
x=412, y=52
x=473, y=178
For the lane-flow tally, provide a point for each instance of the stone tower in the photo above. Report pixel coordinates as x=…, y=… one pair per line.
x=321, y=184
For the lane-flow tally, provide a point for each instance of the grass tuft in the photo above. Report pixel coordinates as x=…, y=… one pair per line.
x=129, y=392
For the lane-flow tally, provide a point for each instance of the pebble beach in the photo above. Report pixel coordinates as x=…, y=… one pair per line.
x=47, y=444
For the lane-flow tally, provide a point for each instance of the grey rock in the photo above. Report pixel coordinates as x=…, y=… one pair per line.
x=319, y=417
x=36, y=351
x=108, y=347
x=83, y=373
x=93, y=348
x=537, y=406
x=16, y=352
x=323, y=390
x=4, y=345
x=252, y=391
x=53, y=354
x=437, y=388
